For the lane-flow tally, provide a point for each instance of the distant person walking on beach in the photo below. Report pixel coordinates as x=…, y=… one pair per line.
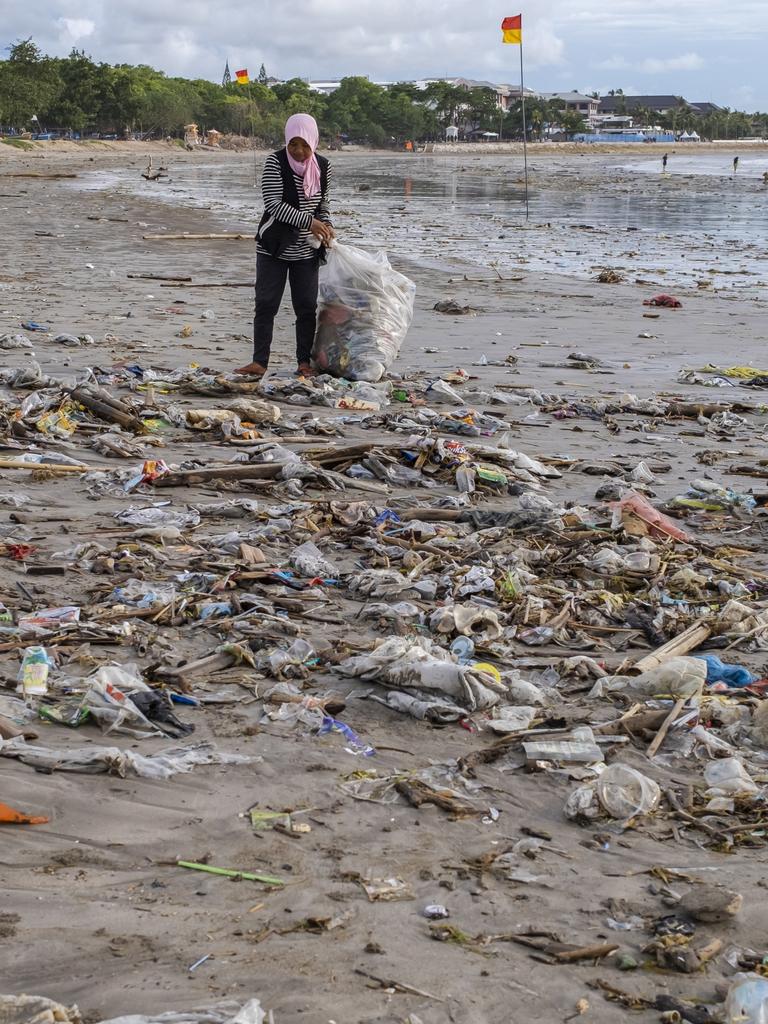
x=295, y=188
x=735, y=164
x=664, y=163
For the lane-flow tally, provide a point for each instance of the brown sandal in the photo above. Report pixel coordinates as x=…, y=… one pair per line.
x=305, y=370
x=252, y=370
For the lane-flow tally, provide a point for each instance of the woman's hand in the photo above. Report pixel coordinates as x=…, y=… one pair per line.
x=321, y=230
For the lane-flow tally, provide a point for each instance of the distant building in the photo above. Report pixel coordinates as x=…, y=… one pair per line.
x=622, y=104
x=587, y=106
x=327, y=87
x=506, y=95
x=706, y=108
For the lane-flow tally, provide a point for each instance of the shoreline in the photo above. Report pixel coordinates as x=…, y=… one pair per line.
x=106, y=149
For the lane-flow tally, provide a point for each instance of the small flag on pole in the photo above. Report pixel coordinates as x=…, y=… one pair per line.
x=242, y=77
x=512, y=30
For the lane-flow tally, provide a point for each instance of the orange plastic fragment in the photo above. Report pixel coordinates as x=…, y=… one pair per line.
x=10, y=816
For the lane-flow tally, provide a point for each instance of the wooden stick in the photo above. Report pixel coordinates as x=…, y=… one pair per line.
x=398, y=986
x=681, y=812
x=664, y=729
x=54, y=466
x=586, y=953
x=160, y=277
x=680, y=645
x=209, y=284
x=198, y=238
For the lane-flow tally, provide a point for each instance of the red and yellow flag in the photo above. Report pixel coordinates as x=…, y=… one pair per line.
x=242, y=77
x=512, y=30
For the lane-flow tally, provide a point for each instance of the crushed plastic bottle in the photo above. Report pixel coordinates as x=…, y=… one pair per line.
x=354, y=744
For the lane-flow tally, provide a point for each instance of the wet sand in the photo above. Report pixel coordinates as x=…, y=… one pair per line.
x=105, y=919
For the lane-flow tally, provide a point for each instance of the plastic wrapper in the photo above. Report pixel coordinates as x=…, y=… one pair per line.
x=365, y=311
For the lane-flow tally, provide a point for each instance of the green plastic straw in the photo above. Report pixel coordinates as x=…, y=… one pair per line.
x=230, y=873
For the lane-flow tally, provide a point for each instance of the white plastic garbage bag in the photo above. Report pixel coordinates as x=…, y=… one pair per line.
x=406, y=665
x=365, y=311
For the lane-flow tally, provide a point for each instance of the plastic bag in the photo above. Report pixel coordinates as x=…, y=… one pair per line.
x=624, y=792
x=747, y=1000
x=403, y=664
x=728, y=777
x=677, y=677
x=309, y=561
x=94, y=760
x=227, y=1012
x=365, y=311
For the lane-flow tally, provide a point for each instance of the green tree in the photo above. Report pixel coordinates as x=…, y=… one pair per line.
x=29, y=84
x=79, y=102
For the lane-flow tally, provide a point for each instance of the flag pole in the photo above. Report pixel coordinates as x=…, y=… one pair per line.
x=525, y=128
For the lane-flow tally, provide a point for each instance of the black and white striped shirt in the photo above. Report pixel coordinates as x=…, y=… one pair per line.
x=316, y=206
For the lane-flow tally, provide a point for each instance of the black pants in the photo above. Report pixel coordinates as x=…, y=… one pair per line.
x=271, y=275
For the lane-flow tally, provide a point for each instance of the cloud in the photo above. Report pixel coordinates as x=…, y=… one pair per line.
x=403, y=39
x=612, y=64
x=72, y=30
x=653, y=65
x=660, y=65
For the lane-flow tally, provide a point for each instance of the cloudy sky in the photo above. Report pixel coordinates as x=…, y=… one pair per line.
x=703, y=51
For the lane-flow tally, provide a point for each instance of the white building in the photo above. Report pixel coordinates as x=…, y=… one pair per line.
x=587, y=106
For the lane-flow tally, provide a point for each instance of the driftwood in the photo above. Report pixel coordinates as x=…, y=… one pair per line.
x=680, y=645
x=211, y=663
x=257, y=471
x=107, y=408
x=35, y=174
x=759, y=471
x=692, y=410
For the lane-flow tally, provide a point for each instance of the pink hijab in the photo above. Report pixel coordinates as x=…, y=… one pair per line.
x=304, y=126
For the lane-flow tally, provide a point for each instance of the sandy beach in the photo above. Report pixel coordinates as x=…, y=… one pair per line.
x=98, y=889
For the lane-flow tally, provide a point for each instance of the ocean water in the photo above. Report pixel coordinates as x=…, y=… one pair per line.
x=585, y=212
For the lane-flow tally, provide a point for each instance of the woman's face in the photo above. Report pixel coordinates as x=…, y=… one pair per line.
x=300, y=150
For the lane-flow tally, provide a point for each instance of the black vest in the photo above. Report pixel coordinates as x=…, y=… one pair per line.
x=275, y=236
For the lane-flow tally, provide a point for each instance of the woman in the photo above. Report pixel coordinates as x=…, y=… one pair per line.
x=295, y=187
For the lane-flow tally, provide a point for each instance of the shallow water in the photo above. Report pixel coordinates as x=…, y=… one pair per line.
x=584, y=212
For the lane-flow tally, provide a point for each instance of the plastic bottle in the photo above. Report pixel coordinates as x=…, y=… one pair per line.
x=747, y=1000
